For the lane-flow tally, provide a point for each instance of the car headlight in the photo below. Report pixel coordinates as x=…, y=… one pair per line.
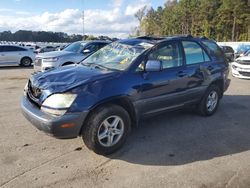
x=25, y=89
x=52, y=59
x=234, y=67
x=57, y=104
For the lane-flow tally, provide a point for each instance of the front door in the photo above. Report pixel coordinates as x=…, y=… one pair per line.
x=165, y=89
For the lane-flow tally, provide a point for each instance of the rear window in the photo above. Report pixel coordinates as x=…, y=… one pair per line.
x=194, y=53
x=214, y=48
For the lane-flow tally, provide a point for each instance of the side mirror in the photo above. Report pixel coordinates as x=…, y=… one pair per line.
x=153, y=66
x=86, y=51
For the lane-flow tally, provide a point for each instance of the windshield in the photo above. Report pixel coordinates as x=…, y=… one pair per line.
x=247, y=53
x=117, y=55
x=75, y=47
x=243, y=48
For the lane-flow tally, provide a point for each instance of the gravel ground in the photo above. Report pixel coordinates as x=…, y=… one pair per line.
x=178, y=149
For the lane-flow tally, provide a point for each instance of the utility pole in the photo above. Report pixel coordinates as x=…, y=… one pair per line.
x=83, y=19
x=83, y=32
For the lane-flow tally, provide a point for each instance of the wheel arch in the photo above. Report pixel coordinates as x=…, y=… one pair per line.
x=122, y=101
x=220, y=83
x=24, y=58
x=67, y=63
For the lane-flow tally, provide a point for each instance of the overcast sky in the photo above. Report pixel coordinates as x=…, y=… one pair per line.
x=114, y=18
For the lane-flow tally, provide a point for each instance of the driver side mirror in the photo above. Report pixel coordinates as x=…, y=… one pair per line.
x=153, y=66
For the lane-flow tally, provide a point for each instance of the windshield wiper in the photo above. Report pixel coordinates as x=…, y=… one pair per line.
x=95, y=65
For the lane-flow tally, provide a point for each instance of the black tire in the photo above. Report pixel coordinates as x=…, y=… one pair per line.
x=68, y=63
x=94, y=122
x=202, y=106
x=26, y=62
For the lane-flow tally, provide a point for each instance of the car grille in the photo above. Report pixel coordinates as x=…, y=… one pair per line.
x=245, y=73
x=34, y=93
x=38, y=62
x=244, y=62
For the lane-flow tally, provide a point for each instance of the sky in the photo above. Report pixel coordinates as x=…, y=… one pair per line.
x=114, y=18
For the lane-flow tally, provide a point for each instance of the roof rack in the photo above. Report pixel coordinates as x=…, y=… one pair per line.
x=182, y=36
x=149, y=37
x=203, y=37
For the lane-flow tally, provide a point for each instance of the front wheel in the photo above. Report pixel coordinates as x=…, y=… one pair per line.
x=106, y=129
x=210, y=101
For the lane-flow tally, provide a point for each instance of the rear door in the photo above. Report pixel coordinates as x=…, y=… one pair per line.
x=1, y=55
x=13, y=54
x=197, y=62
x=6, y=55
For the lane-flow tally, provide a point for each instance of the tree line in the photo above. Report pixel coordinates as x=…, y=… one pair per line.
x=221, y=20
x=44, y=36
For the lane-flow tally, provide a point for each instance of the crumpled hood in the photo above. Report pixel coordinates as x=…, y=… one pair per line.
x=67, y=77
x=55, y=54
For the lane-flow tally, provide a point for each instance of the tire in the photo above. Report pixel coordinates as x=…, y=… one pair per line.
x=203, y=107
x=98, y=123
x=68, y=63
x=26, y=62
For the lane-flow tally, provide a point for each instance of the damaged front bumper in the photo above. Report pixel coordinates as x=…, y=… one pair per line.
x=67, y=126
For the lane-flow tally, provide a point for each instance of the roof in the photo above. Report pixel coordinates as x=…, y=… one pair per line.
x=92, y=41
x=155, y=40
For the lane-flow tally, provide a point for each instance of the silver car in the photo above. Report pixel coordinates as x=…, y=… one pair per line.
x=74, y=53
x=45, y=49
x=16, y=55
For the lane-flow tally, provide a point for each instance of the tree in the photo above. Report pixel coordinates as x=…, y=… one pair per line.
x=222, y=20
x=140, y=15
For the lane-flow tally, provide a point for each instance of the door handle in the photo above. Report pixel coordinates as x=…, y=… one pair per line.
x=210, y=67
x=181, y=74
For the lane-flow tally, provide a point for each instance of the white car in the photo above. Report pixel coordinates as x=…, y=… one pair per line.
x=16, y=55
x=45, y=49
x=73, y=53
x=241, y=67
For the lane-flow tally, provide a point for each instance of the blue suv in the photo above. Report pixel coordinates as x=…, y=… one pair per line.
x=106, y=94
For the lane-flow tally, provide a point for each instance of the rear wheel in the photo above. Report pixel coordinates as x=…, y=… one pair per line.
x=26, y=62
x=210, y=101
x=106, y=129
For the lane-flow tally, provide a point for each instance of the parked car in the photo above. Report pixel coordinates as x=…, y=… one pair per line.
x=74, y=53
x=247, y=53
x=45, y=49
x=241, y=67
x=241, y=50
x=229, y=52
x=111, y=90
x=16, y=55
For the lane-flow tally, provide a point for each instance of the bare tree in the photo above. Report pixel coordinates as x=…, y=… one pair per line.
x=140, y=15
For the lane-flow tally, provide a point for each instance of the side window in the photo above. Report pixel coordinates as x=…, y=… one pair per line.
x=7, y=49
x=194, y=53
x=92, y=47
x=12, y=49
x=170, y=55
x=101, y=45
x=15, y=48
x=1, y=49
x=212, y=46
